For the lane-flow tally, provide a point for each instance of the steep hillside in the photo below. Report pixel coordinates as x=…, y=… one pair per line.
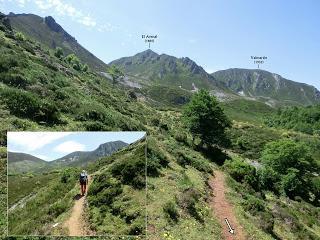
x=151, y=68
x=268, y=87
x=46, y=31
x=22, y=162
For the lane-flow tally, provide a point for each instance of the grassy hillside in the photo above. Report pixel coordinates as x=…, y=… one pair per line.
x=21, y=186
x=64, y=98
x=247, y=110
x=50, y=34
x=118, y=193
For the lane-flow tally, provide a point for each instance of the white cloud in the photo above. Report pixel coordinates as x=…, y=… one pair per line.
x=69, y=146
x=88, y=21
x=21, y=3
x=107, y=27
x=66, y=9
x=31, y=141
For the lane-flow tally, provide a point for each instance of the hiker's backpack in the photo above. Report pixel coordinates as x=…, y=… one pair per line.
x=83, y=178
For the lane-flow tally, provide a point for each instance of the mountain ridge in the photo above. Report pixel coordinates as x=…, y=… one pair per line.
x=268, y=86
x=51, y=34
x=76, y=158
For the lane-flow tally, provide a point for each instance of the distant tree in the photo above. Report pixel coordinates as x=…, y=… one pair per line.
x=205, y=119
x=58, y=52
x=19, y=36
x=294, y=165
x=85, y=68
x=115, y=73
x=74, y=61
x=284, y=154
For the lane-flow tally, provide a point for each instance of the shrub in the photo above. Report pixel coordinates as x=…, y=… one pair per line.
x=155, y=121
x=58, y=52
x=15, y=80
x=137, y=227
x=95, y=112
x=266, y=222
x=188, y=201
x=57, y=208
x=74, y=61
x=315, y=189
x=85, y=68
x=19, y=36
x=241, y=171
x=181, y=136
x=103, y=191
x=7, y=63
x=268, y=179
x=253, y=205
x=156, y=158
x=25, y=104
x=285, y=154
x=292, y=184
x=131, y=172
x=171, y=212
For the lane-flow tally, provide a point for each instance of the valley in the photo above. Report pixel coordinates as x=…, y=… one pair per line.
x=191, y=162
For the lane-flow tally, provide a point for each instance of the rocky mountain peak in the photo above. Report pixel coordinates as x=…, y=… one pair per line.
x=54, y=26
x=194, y=68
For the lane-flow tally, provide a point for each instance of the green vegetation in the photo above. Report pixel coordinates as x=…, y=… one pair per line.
x=247, y=110
x=205, y=119
x=115, y=73
x=21, y=186
x=58, y=52
x=36, y=215
x=293, y=166
x=167, y=96
x=64, y=96
x=303, y=119
x=118, y=193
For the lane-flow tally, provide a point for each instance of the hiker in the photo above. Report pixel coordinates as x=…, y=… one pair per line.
x=83, y=182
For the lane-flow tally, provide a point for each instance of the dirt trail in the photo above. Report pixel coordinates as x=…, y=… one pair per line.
x=223, y=209
x=75, y=224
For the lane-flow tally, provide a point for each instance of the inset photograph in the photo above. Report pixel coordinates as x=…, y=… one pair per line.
x=76, y=183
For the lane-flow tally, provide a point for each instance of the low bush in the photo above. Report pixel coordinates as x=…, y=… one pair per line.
x=130, y=172
x=15, y=80
x=268, y=179
x=171, y=212
x=242, y=172
x=188, y=201
x=27, y=105
x=253, y=205
x=103, y=191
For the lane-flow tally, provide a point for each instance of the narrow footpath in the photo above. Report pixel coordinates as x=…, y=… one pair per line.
x=223, y=209
x=75, y=224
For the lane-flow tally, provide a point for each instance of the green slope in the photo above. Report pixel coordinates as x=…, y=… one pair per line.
x=49, y=33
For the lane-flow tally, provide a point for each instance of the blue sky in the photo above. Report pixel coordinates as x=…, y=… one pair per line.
x=217, y=34
x=52, y=145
